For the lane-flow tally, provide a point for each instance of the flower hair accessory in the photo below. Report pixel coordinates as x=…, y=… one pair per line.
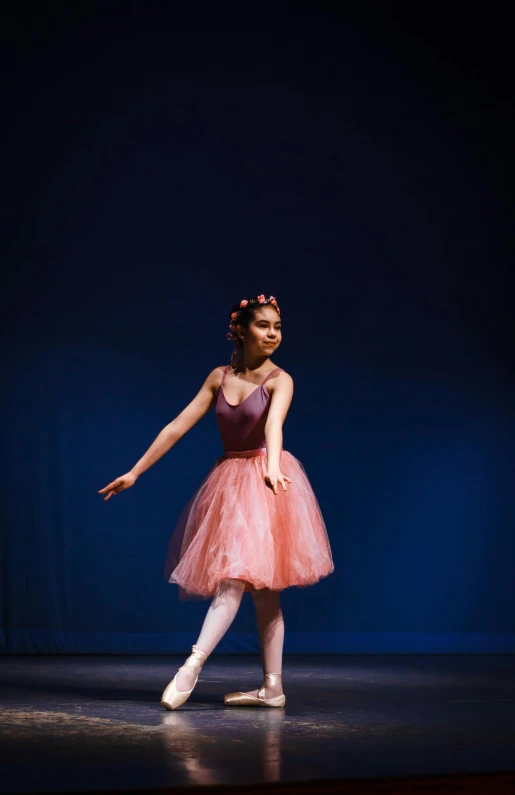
x=260, y=300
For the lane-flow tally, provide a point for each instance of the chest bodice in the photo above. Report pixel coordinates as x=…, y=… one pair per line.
x=242, y=426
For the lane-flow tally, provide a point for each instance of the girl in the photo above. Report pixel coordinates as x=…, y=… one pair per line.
x=254, y=523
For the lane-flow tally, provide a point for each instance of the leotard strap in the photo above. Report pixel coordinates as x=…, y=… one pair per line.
x=225, y=373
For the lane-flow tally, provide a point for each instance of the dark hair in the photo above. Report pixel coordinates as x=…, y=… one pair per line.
x=246, y=314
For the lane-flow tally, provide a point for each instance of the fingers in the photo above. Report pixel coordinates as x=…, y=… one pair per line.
x=111, y=488
x=273, y=484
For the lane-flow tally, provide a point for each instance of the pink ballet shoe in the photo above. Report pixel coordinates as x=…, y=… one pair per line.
x=173, y=698
x=240, y=699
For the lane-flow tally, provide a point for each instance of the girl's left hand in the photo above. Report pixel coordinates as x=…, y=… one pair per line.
x=272, y=479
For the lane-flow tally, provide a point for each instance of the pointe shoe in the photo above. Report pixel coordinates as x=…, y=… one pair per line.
x=240, y=699
x=173, y=698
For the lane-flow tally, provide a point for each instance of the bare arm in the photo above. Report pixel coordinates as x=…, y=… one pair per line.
x=281, y=397
x=175, y=430
x=171, y=433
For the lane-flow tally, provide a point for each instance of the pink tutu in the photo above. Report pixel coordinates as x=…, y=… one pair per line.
x=235, y=526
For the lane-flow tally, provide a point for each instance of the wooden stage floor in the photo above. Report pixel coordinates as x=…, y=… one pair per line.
x=371, y=723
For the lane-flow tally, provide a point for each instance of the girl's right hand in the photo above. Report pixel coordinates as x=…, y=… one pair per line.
x=120, y=484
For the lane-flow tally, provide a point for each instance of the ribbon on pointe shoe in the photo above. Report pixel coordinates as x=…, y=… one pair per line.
x=273, y=679
x=196, y=659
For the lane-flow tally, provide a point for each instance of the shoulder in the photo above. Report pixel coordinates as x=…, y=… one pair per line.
x=218, y=371
x=280, y=373
x=280, y=380
x=214, y=379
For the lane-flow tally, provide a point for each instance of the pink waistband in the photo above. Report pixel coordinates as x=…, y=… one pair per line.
x=244, y=453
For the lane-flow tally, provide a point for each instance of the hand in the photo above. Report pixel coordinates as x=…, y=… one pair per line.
x=272, y=479
x=120, y=484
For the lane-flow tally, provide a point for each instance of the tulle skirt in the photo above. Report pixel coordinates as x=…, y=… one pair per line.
x=235, y=526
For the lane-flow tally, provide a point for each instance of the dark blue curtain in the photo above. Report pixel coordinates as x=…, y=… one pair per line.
x=163, y=165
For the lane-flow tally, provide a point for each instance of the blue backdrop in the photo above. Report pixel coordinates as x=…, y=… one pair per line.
x=165, y=161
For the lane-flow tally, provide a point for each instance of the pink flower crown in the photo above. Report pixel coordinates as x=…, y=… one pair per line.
x=231, y=335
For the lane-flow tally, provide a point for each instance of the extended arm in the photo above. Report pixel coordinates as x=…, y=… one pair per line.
x=175, y=430
x=171, y=433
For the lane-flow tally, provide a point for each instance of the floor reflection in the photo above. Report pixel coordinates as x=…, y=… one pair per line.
x=197, y=748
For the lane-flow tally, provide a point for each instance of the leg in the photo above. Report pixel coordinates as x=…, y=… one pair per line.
x=270, y=622
x=219, y=618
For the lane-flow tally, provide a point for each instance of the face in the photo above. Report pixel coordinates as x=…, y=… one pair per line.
x=264, y=332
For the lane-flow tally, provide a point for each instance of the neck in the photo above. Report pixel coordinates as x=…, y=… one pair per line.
x=247, y=362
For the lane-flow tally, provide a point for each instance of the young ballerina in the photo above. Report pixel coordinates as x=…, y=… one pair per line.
x=254, y=523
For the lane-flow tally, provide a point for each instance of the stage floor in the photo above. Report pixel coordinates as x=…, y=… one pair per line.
x=95, y=722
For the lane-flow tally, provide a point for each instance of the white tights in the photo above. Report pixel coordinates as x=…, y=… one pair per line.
x=219, y=617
